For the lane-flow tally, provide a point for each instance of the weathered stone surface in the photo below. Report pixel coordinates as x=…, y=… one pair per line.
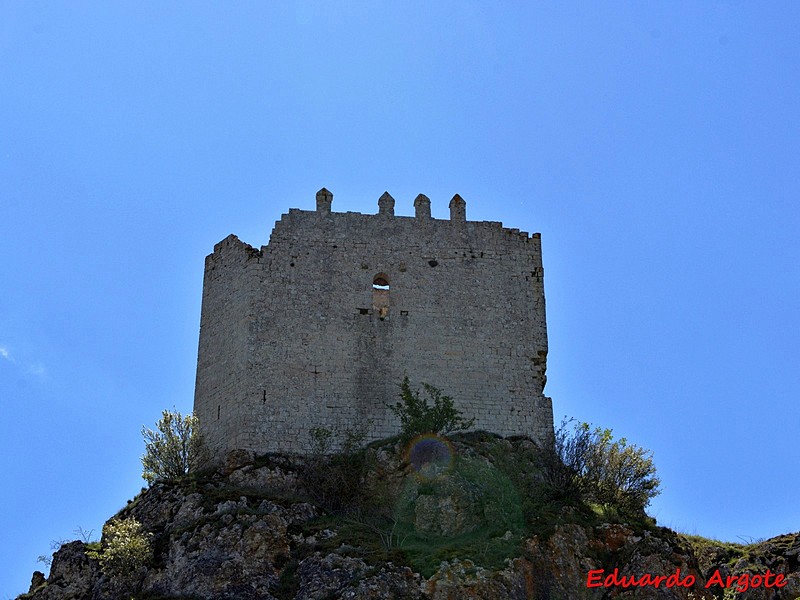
x=73, y=576
x=279, y=477
x=335, y=576
x=463, y=579
x=37, y=580
x=449, y=512
x=294, y=335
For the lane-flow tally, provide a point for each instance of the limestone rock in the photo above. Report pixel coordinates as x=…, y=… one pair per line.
x=335, y=576
x=243, y=536
x=73, y=576
x=37, y=580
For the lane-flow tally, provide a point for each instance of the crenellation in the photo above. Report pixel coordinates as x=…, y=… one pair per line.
x=386, y=205
x=324, y=200
x=422, y=208
x=325, y=320
x=458, y=209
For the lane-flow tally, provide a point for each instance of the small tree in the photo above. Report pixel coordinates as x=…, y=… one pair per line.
x=418, y=417
x=619, y=473
x=126, y=551
x=173, y=449
x=587, y=462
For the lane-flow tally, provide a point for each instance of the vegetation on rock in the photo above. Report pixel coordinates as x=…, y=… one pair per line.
x=489, y=525
x=418, y=417
x=173, y=449
x=588, y=464
x=332, y=480
x=412, y=517
x=125, y=550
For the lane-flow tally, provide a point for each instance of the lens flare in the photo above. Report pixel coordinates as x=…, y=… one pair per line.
x=429, y=455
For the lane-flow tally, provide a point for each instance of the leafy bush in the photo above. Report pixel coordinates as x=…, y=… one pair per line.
x=125, y=551
x=333, y=480
x=321, y=440
x=418, y=417
x=589, y=464
x=174, y=449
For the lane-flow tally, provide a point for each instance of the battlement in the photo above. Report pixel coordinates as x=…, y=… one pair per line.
x=318, y=327
x=422, y=211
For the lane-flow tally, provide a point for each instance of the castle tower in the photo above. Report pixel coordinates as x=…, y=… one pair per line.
x=319, y=327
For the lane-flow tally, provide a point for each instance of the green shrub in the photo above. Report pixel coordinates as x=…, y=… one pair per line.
x=125, y=551
x=332, y=480
x=173, y=449
x=321, y=440
x=418, y=417
x=587, y=463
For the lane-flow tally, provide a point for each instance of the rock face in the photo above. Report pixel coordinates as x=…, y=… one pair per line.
x=247, y=535
x=72, y=575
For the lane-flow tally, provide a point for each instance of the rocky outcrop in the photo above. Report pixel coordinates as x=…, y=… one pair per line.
x=73, y=575
x=337, y=576
x=250, y=533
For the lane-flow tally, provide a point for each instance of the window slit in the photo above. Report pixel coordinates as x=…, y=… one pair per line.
x=380, y=295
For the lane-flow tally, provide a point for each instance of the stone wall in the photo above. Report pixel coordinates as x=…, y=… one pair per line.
x=296, y=335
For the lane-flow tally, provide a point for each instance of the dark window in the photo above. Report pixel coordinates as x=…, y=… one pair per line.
x=380, y=294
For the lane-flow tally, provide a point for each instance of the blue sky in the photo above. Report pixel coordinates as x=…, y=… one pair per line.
x=653, y=145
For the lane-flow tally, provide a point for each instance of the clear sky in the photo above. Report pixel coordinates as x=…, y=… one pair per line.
x=655, y=146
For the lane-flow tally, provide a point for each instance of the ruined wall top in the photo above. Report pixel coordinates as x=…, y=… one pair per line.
x=422, y=205
x=386, y=208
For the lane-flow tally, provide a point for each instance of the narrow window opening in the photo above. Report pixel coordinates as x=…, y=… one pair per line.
x=218, y=409
x=380, y=295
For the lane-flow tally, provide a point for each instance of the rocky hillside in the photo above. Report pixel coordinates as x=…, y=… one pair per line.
x=440, y=520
